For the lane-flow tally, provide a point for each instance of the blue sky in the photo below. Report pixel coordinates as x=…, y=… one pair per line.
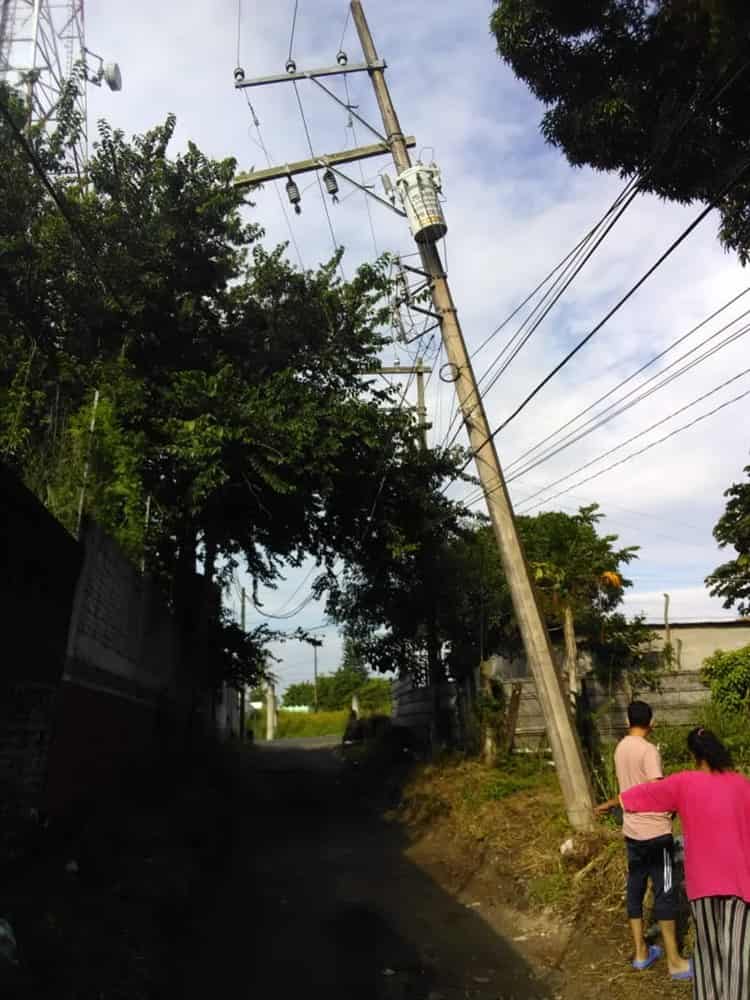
x=514, y=209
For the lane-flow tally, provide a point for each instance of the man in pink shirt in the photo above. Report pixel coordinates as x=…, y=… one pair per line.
x=650, y=846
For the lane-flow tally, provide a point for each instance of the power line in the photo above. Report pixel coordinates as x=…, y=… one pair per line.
x=346, y=25
x=264, y=149
x=612, y=411
x=336, y=247
x=618, y=305
x=635, y=374
x=355, y=141
x=294, y=28
x=641, y=451
x=629, y=192
x=564, y=281
x=239, y=32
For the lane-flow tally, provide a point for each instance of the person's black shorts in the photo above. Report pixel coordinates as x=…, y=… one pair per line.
x=651, y=859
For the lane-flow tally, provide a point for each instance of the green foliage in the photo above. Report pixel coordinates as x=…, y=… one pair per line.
x=731, y=580
x=657, y=90
x=336, y=690
x=231, y=402
x=389, y=600
x=728, y=676
x=732, y=728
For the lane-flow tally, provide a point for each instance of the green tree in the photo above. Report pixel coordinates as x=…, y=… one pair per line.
x=654, y=89
x=731, y=580
x=728, y=676
x=299, y=695
x=577, y=571
x=231, y=399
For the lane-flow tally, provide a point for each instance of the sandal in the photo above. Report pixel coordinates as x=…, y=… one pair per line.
x=654, y=954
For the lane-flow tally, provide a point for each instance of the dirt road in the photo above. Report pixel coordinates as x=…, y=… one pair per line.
x=321, y=900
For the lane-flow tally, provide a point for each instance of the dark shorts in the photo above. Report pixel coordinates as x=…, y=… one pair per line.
x=651, y=859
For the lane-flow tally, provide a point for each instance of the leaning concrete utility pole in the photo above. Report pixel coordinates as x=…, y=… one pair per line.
x=566, y=748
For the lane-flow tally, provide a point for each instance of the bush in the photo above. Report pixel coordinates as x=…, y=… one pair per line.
x=732, y=728
x=728, y=676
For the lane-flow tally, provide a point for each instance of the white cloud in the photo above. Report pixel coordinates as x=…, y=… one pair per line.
x=514, y=209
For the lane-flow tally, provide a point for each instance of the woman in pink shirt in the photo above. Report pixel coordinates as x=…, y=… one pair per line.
x=713, y=803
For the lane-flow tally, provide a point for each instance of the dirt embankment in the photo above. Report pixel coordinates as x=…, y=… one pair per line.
x=493, y=840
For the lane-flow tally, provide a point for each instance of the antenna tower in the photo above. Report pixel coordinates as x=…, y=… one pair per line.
x=42, y=42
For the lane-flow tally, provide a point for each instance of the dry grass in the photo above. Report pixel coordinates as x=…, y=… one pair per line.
x=516, y=817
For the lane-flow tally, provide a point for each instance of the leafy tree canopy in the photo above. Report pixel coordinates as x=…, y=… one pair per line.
x=387, y=601
x=654, y=89
x=233, y=422
x=731, y=580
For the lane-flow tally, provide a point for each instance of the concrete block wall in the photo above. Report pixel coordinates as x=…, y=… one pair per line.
x=677, y=703
x=27, y=713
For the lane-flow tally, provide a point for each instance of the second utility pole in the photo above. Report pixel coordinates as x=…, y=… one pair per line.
x=566, y=749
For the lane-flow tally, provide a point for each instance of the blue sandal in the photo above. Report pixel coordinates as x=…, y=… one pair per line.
x=685, y=976
x=654, y=954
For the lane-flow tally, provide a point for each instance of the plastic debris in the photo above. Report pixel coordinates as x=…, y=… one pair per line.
x=568, y=847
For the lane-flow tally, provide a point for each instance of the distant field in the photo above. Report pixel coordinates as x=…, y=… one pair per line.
x=300, y=724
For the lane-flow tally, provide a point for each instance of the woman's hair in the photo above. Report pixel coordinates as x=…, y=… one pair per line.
x=704, y=745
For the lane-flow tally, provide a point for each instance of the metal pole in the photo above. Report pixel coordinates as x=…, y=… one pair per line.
x=566, y=749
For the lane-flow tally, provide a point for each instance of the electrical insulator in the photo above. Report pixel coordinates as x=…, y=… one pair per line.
x=292, y=193
x=342, y=58
x=291, y=66
x=332, y=185
x=388, y=187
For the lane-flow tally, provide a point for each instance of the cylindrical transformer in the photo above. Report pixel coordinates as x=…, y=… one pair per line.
x=419, y=188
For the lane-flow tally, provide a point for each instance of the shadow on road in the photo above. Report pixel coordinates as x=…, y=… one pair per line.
x=319, y=900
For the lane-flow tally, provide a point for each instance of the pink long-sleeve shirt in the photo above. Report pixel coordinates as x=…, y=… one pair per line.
x=715, y=814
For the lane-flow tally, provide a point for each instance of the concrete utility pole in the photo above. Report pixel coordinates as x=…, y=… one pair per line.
x=270, y=713
x=566, y=749
x=315, y=643
x=243, y=693
x=419, y=370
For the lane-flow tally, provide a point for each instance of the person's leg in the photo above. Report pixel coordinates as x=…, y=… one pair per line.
x=637, y=882
x=665, y=901
x=707, y=954
x=736, y=948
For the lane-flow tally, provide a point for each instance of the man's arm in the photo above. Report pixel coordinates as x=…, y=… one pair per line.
x=605, y=807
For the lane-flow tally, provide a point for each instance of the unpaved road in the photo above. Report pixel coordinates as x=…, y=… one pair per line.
x=320, y=900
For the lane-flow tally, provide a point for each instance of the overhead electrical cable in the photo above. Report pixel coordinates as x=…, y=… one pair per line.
x=640, y=434
x=676, y=243
x=633, y=187
x=633, y=375
x=264, y=149
x=561, y=284
x=334, y=241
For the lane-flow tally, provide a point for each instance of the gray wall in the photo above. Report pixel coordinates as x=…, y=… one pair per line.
x=693, y=643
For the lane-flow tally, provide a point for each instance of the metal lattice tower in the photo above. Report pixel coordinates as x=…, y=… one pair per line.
x=42, y=42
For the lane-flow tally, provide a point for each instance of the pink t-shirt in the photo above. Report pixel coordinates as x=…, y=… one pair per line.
x=637, y=761
x=715, y=814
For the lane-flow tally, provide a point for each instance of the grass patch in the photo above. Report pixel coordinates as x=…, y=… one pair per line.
x=299, y=725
